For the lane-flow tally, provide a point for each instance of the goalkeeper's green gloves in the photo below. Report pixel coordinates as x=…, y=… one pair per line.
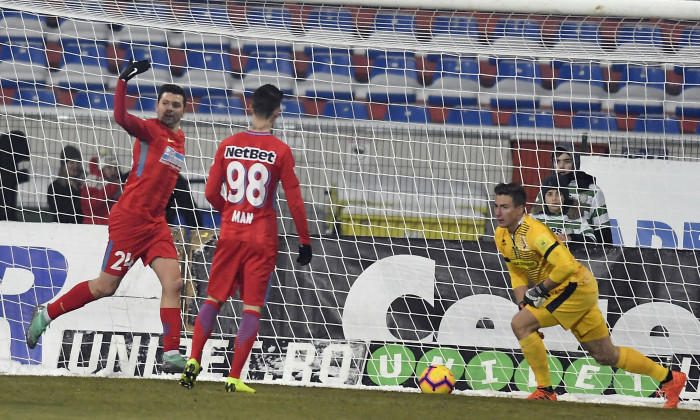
x=134, y=68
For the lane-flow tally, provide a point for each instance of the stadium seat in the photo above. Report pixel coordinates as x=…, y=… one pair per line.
x=21, y=27
x=71, y=30
x=518, y=85
x=276, y=21
x=453, y=29
x=389, y=28
x=22, y=65
x=330, y=76
x=689, y=103
x=83, y=66
x=518, y=34
x=146, y=35
x=221, y=104
x=641, y=90
x=148, y=82
x=640, y=40
x=146, y=104
x=393, y=79
x=534, y=119
x=594, y=121
x=267, y=67
x=31, y=97
x=581, y=36
x=291, y=109
x=689, y=43
x=212, y=15
x=328, y=22
x=470, y=116
x=579, y=87
x=657, y=124
x=208, y=73
x=346, y=110
x=94, y=100
x=407, y=113
x=455, y=82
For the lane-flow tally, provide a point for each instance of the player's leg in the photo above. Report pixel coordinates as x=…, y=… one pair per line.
x=78, y=296
x=245, y=338
x=631, y=360
x=203, y=326
x=526, y=325
x=168, y=272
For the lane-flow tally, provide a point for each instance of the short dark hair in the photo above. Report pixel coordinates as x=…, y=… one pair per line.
x=175, y=89
x=266, y=100
x=515, y=191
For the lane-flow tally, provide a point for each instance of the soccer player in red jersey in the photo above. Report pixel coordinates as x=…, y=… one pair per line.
x=250, y=164
x=137, y=226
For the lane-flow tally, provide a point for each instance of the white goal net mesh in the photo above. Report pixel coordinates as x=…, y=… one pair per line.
x=401, y=122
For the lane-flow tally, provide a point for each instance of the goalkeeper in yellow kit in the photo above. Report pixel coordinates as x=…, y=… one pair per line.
x=552, y=287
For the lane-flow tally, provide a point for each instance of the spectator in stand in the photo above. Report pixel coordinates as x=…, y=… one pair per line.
x=102, y=188
x=561, y=213
x=582, y=187
x=64, y=193
x=14, y=152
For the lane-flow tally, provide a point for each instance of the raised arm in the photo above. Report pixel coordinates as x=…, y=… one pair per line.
x=133, y=125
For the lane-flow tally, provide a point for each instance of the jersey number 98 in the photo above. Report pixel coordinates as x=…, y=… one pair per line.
x=247, y=183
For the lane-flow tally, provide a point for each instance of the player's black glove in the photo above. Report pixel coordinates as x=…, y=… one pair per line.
x=134, y=68
x=304, y=254
x=535, y=296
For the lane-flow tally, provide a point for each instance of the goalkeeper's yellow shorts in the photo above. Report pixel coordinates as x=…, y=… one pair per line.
x=575, y=309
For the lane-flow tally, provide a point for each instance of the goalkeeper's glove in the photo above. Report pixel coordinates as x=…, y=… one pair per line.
x=535, y=296
x=134, y=68
x=304, y=254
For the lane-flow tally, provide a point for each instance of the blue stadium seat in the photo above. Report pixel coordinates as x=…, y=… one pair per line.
x=393, y=79
x=689, y=104
x=268, y=67
x=657, y=124
x=455, y=82
x=470, y=116
x=83, y=66
x=640, y=40
x=579, y=87
x=208, y=73
x=272, y=19
x=18, y=26
x=146, y=103
x=147, y=83
x=577, y=36
x=329, y=22
x=407, y=113
x=94, y=100
x=641, y=90
x=348, y=110
x=519, y=34
x=518, y=85
x=330, y=76
x=23, y=65
x=30, y=97
x=452, y=30
x=389, y=28
x=221, y=104
x=536, y=119
x=594, y=121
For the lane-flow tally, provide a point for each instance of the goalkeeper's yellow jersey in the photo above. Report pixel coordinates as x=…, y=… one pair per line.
x=534, y=253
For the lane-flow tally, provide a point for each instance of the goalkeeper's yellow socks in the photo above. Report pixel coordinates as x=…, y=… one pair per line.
x=536, y=355
x=635, y=362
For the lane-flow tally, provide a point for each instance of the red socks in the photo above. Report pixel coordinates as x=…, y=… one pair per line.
x=171, y=328
x=247, y=333
x=77, y=297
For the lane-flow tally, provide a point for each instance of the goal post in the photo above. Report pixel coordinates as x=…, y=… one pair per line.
x=402, y=119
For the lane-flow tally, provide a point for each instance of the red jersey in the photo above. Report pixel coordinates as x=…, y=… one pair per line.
x=251, y=164
x=159, y=154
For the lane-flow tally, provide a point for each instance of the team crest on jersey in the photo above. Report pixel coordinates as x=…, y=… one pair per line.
x=173, y=158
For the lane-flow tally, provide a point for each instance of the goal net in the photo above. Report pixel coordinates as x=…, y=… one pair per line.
x=402, y=121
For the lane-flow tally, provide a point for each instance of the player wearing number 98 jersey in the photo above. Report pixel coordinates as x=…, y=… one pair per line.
x=250, y=165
